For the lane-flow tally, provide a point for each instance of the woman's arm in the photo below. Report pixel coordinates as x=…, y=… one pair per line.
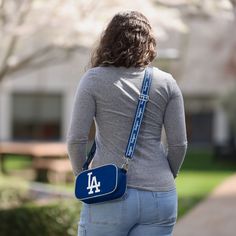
x=82, y=117
x=175, y=128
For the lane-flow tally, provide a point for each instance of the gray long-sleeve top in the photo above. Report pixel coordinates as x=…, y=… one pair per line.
x=109, y=95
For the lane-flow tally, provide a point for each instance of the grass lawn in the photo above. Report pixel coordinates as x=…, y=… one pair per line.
x=199, y=175
x=193, y=186
x=17, y=162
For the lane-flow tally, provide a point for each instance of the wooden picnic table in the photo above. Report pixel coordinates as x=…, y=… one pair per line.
x=45, y=155
x=36, y=149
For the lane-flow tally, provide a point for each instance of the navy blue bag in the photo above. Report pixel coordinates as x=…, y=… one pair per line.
x=108, y=182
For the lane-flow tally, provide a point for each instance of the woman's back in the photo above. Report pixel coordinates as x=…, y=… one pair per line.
x=108, y=93
x=114, y=92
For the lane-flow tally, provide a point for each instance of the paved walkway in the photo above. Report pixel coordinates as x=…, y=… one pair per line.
x=215, y=216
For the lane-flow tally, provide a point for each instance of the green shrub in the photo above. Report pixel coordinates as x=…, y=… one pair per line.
x=12, y=197
x=57, y=219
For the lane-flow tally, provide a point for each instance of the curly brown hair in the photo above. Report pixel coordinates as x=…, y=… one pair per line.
x=127, y=41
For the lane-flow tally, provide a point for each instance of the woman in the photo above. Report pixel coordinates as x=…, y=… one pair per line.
x=108, y=93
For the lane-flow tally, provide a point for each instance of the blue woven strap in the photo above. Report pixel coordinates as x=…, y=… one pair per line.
x=143, y=99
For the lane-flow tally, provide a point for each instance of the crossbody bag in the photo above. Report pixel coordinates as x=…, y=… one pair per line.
x=109, y=182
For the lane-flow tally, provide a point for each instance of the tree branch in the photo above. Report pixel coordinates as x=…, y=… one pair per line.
x=233, y=2
x=8, y=69
x=35, y=60
x=2, y=13
x=23, y=12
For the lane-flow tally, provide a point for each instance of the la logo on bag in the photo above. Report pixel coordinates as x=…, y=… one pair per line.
x=93, y=184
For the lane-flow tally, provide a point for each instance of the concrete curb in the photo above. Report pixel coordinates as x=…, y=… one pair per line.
x=214, y=216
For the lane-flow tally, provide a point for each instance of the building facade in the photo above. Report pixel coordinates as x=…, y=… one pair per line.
x=37, y=104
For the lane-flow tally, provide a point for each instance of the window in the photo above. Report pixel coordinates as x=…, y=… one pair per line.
x=199, y=128
x=36, y=116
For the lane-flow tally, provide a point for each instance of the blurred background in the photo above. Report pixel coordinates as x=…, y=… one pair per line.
x=45, y=48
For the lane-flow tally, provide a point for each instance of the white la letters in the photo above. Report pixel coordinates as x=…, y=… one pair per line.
x=92, y=183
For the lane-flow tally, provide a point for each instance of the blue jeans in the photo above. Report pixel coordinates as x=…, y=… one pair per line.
x=137, y=213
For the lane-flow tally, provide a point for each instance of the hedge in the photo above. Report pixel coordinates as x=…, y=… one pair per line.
x=56, y=219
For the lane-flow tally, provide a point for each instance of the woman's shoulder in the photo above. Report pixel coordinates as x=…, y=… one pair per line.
x=91, y=79
x=163, y=76
x=90, y=74
x=97, y=70
x=163, y=79
x=160, y=76
x=166, y=80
